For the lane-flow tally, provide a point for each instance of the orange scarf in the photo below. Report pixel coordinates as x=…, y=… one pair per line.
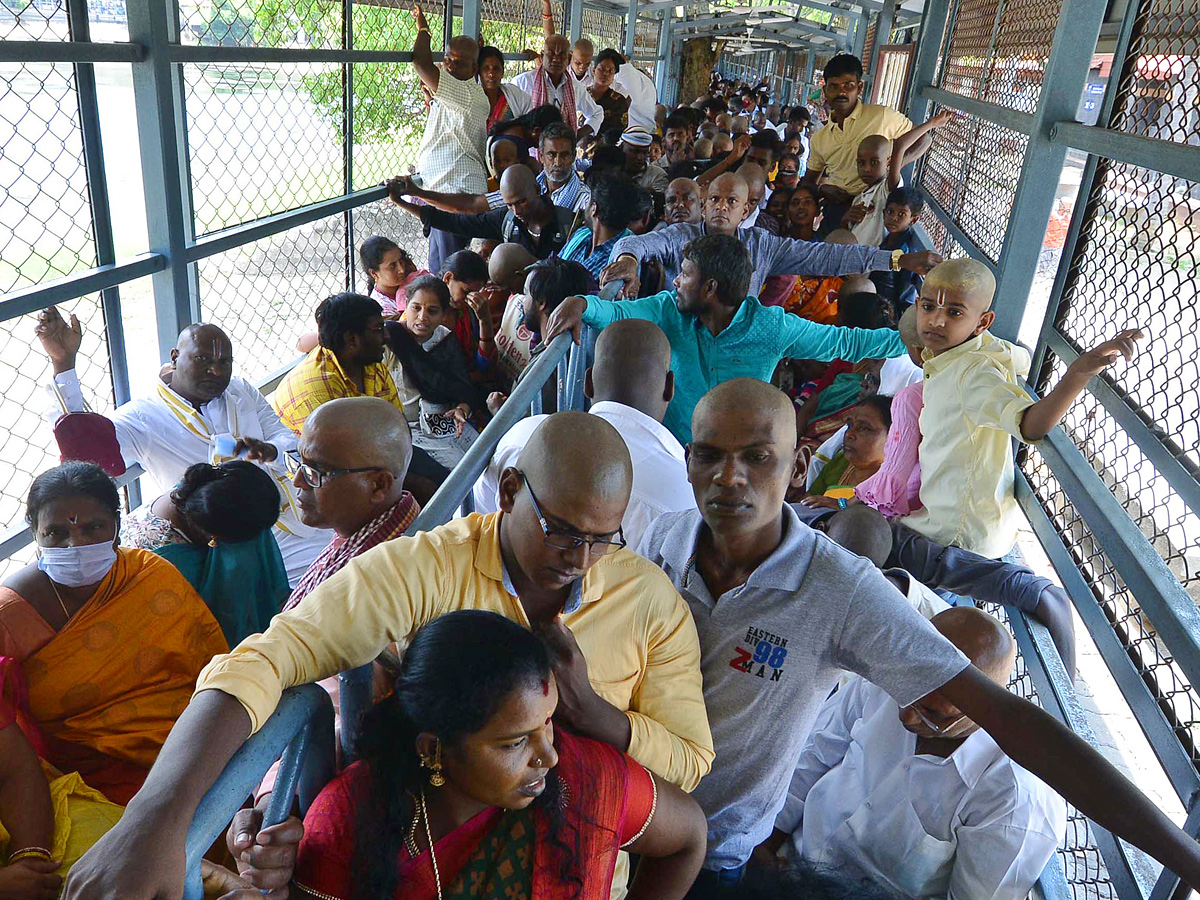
x=123, y=668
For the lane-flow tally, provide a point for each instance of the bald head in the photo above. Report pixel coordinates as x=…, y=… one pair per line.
x=841, y=236
x=875, y=144
x=371, y=430
x=863, y=531
x=722, y=143
x=725, y=204
x=908, y=330
x=203, y=333
x=518, y=181
x=755, y=177
x=982, y=638
x=507, y=265
x=747, y=398
x=462, y=57
x=967, y=278
x=633, y=367
x=583, y=45
x=576, y=459
x=857, y=283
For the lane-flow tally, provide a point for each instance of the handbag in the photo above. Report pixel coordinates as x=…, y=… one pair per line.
x=88, y=437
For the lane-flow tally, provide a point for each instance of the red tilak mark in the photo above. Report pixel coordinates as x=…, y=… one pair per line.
x=547, y=720
x=545, y=690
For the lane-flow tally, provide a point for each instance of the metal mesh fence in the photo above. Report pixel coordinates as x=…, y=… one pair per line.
x=263, y=294
x=1083, y=867
x=1158, y=87
x=313, y=24
x=645, y=39
x=516, y=25
x=389, y=121
x=45, y=226
x=34, y=20
x=940, y=237
x=262, y=139
x=999, y=49
x=971, y=170
x=1135, y=265
x=603, y=28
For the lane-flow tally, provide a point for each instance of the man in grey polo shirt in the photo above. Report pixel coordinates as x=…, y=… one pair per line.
x=781, y=611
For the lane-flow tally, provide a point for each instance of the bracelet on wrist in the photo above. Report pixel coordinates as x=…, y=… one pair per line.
x=30, y=853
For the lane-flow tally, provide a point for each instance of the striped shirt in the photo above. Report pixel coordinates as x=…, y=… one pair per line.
x=319, y=378
x=579, y=249
x=573, y=195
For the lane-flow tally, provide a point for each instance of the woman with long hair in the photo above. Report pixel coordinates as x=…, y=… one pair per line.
x=466, y=791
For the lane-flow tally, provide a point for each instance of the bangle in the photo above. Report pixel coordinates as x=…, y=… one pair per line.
x=30, y=853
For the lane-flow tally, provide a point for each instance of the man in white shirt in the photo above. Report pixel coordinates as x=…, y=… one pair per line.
x=631, y=385
x=200, y=412
x=923, y=803
x=548, y=82
x=643, y=96
x=452, y=156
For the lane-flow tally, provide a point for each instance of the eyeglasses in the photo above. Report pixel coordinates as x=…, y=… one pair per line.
x=936, y=729
x=316, y=477
x=562, y=540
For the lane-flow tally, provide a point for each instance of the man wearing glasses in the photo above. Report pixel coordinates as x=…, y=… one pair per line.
x=626, y=654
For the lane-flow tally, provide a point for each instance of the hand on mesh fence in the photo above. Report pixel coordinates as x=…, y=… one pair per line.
x=60, y=340
x=399, y=187
x=1101, y=357
x=419, y=15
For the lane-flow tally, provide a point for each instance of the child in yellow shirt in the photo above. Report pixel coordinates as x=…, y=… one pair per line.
x=974, y=404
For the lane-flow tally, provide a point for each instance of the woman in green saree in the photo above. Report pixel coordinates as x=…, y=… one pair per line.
x=215, y=527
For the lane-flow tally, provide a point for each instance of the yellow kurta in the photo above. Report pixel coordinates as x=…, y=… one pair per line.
x=636, y=632
x=974, y=404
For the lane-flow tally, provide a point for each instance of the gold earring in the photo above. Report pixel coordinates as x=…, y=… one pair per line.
x=436, y=778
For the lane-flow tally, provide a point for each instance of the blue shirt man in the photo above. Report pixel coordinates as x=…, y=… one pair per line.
x=717, y=332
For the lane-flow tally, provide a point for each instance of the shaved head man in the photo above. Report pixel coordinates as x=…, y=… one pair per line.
x=581, y=58
x=630, y=385
x=622, y=643
x=507, y=266
x=746, y=566
x=201, y=363
x=756, y=186
x=726, y=203
x=683, y=202
x=368, y=439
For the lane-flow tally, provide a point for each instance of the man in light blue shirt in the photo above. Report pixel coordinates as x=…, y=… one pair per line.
x=717, y=331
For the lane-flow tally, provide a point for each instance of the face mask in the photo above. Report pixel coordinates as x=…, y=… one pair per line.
x=77, y=566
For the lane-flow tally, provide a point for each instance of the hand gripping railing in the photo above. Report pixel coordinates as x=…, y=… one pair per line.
x=301, y=732
x=301, y=729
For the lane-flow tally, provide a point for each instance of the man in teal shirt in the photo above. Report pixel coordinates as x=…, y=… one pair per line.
x=717, y=332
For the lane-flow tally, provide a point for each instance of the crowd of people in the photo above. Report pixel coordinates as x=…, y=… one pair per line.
x=715, y=637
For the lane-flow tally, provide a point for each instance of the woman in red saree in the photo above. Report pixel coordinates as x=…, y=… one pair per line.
x=463, y=756
x=110, y=639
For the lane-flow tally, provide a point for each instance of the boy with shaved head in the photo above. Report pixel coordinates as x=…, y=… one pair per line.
x=782, y=612
x=974, y=405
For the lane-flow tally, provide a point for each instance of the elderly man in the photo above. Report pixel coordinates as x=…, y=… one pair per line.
x=725, y=209
x=623, y=644
x=200, y=412
x=782, y=612
x=975, y=824
x=682, y=204
x=635, y=142
x=630, y=385
x=350, y=466
x=452, y=156
x=549, y=82
x=531, y=219
x=718, y=332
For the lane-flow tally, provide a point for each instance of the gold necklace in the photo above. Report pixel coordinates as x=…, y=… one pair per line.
x=54, y=587
x=421, y=815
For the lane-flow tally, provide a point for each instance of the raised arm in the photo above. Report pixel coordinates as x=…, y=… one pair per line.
x=1050, y=410
x=547, y=20
x=741, y=144
x=911, y=145
x=422, y=54
x=464, y=204
x=1034, y=739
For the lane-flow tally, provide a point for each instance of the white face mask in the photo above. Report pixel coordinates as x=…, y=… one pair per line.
x=77, y=566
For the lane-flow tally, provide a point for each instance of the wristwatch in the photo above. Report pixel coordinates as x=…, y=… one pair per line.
x=896, y=256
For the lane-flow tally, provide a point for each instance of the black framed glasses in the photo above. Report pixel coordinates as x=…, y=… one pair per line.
x=565, y=540
x=316, y=477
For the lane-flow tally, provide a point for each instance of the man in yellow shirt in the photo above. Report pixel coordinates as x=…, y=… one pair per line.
x=627, y=657
x=833, y=150
x=347, y=363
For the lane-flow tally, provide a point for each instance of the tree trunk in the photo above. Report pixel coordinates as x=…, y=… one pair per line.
x=700, y=57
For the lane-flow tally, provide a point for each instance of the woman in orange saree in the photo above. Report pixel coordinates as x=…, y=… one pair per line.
x=110, y=639
x=465, y=792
